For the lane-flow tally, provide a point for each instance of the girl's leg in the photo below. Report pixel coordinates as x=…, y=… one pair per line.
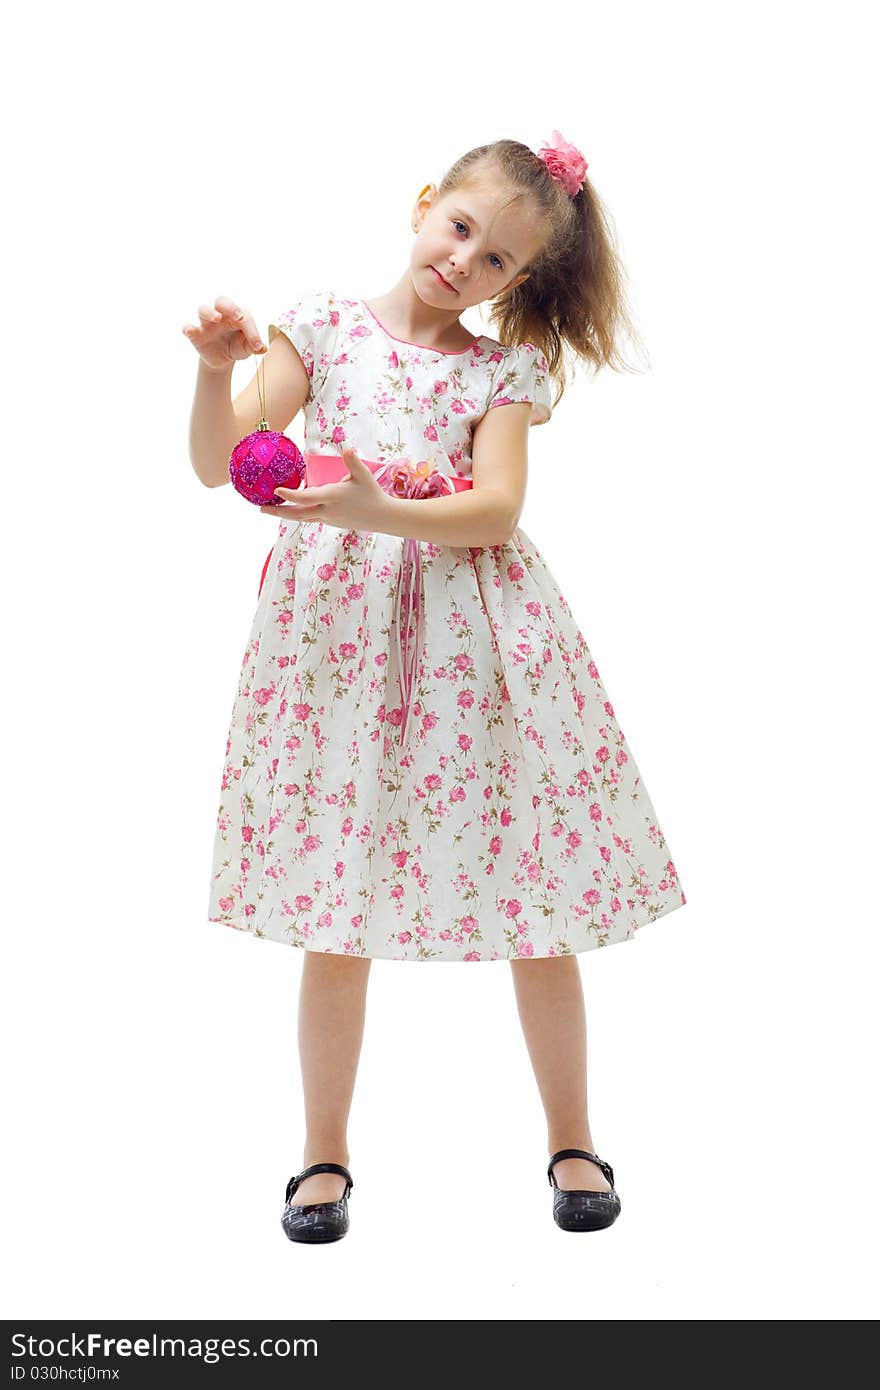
x=332, y=1003
x=550, y=1000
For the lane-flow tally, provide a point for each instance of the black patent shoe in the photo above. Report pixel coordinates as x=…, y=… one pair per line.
x=578, y=1209
x=317, y=1221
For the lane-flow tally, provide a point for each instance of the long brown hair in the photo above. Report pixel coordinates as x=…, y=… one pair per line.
x=575, y=296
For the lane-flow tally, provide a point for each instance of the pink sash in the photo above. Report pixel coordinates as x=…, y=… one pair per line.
x=330, y=468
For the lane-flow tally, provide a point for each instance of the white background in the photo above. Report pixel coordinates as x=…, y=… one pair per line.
x=710, y=520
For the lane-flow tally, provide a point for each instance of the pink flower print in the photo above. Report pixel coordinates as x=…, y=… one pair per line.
x=574, y=839
x=465, y=699
x=463, y=662
x=360, y=330
x=515, y=571
x=602, y=754
x=326, y=571
x=495, y=844
x=226, y=904
x=592, y=897
x=303, y=902
x=595, y=811
x=347, y=650
x=399, y=858
x=431, y=433
x=247, y=833
x=338, y=435
x=465, y=742
x=615, y=904
x=263, y=696
x=325, y=919
x=354, y=591
x=506, y=818
x=620, y=757
x=393, y=359
x=433, y=782
x=440, y=388
x=397, y=892
x=525, y=948
x=605, y=853
x=404, y=937
x=513, y=908
x=591, y=667
x=458, y=793
x=445, y=935
x=468, y=925
x=302, y=712
x=472, y=955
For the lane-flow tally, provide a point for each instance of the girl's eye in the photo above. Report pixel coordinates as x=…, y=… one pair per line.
x=500, y=265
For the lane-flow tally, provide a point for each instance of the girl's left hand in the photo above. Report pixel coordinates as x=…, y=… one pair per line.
x=357, y=503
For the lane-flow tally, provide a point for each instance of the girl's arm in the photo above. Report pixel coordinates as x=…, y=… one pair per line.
x=478, y=517
x=213, y=428
x=217, y=422
x=488, y=513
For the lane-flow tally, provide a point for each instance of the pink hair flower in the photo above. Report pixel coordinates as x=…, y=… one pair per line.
x=565, y=162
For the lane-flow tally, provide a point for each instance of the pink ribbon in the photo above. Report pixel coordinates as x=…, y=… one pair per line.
x=402, y=479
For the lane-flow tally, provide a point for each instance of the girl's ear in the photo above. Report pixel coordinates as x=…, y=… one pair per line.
x=518, y=281
x=422, y=204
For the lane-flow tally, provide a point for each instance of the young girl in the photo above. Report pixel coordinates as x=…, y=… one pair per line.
x=422, y=762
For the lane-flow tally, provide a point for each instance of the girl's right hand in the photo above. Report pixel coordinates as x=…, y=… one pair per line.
x=225, y=334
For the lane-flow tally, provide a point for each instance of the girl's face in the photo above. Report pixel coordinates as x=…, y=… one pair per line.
x=476, y=239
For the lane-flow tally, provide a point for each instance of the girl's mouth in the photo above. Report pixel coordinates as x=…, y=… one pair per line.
x=443, y=282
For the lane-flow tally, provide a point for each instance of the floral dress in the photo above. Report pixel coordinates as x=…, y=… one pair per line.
x=513, y=822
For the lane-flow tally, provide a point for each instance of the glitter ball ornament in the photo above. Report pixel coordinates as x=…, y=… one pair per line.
x=262, y=461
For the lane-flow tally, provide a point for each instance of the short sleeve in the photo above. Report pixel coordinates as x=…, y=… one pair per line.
x=524, y=376
x=311, y=324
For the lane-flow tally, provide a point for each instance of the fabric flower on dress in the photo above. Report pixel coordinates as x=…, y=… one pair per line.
x=404, y=479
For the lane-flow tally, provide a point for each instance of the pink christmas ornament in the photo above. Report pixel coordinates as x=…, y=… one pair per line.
x=262, y=461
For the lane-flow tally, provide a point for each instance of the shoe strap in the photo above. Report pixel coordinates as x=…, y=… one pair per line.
x=579, y=1153
x=319, y=1168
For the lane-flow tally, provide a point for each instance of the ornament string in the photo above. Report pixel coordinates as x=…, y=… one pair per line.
x=261, y=392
